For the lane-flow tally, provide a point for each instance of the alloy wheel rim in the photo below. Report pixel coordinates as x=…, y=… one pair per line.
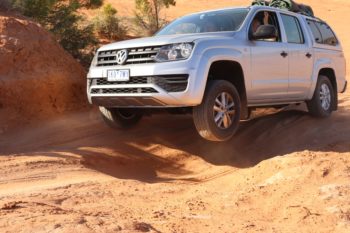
x=224, y=110
x=325, y=96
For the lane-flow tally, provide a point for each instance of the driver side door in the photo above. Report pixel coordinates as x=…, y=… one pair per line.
x=269, y=63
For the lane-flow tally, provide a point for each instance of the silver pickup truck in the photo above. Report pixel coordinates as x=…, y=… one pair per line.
x=218, y=65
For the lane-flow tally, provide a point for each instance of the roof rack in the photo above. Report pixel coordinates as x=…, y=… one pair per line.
x=289, y=5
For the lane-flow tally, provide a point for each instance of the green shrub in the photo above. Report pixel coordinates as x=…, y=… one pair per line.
x=71, y=30
x=92, y=3
x=36, y=9
x=148, y=15
x=108, y=25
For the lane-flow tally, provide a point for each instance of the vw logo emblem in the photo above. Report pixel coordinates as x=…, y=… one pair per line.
x=121, y=56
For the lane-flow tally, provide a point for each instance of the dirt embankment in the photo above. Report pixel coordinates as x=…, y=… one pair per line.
x=37, y=77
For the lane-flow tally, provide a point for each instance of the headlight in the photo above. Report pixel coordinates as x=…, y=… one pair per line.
x=174, y=52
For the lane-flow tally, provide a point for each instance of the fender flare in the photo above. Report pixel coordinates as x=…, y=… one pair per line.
x=208, y=57
x=318, y=66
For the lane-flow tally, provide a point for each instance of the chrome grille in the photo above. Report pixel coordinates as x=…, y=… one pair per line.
x=170, y=83
x=123, y=90
x=135, y=56
x=133, y=80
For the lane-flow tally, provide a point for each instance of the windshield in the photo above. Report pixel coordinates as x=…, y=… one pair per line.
x=214, y=21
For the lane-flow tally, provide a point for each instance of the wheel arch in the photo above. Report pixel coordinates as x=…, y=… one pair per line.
x=330, y=74
x=231, y=71
x=325, y=69
x=324, y=65
x=227, y=57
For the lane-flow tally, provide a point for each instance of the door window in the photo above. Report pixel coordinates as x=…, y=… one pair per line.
x=293, y=29
x=266, y=18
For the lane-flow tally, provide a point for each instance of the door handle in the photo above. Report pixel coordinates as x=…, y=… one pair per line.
x=308, y=55
x=284, y=54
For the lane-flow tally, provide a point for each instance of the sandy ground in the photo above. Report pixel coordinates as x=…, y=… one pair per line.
x=283, y=172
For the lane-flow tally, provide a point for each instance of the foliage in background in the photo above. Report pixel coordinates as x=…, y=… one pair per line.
x=76, y=34
x=5, y=5
x=71, y=30
x=108, y=25
x=36, y=9
x=62, y=19
x=91, y=4
x=147, y=14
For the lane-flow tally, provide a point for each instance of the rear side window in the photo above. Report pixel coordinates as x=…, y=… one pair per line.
x=323, y=33
x=328, y=36
x=315, y=31
x=293, y=29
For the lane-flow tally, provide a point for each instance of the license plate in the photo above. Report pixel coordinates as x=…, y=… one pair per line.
x=118, y=75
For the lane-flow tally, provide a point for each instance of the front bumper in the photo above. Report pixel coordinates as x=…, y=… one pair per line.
x=148, y=86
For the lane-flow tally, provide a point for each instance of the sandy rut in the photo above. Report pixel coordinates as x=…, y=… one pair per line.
x=75, y=174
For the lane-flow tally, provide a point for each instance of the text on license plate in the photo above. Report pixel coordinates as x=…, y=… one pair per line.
x=118, y=75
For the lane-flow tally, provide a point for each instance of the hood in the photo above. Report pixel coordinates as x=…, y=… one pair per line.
x=163, y=40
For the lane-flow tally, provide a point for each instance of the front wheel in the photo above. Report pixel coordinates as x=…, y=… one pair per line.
x=121, y=118
x=323, y=100
x=217, y=117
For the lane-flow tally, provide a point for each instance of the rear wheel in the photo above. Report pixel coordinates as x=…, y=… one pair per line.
x=217, y=117
x=121, y=118
x=323, y=100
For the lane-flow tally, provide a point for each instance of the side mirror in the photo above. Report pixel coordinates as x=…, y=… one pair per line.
x=264, y=32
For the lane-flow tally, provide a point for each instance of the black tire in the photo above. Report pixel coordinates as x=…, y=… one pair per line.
x=203, y=114
x=121, y=118
x=316, y=105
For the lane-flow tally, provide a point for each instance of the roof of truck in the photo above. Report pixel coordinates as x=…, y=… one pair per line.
x=284, y=10
x=259, y=7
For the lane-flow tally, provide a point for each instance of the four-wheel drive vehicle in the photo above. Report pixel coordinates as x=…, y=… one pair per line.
x=218, y=65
